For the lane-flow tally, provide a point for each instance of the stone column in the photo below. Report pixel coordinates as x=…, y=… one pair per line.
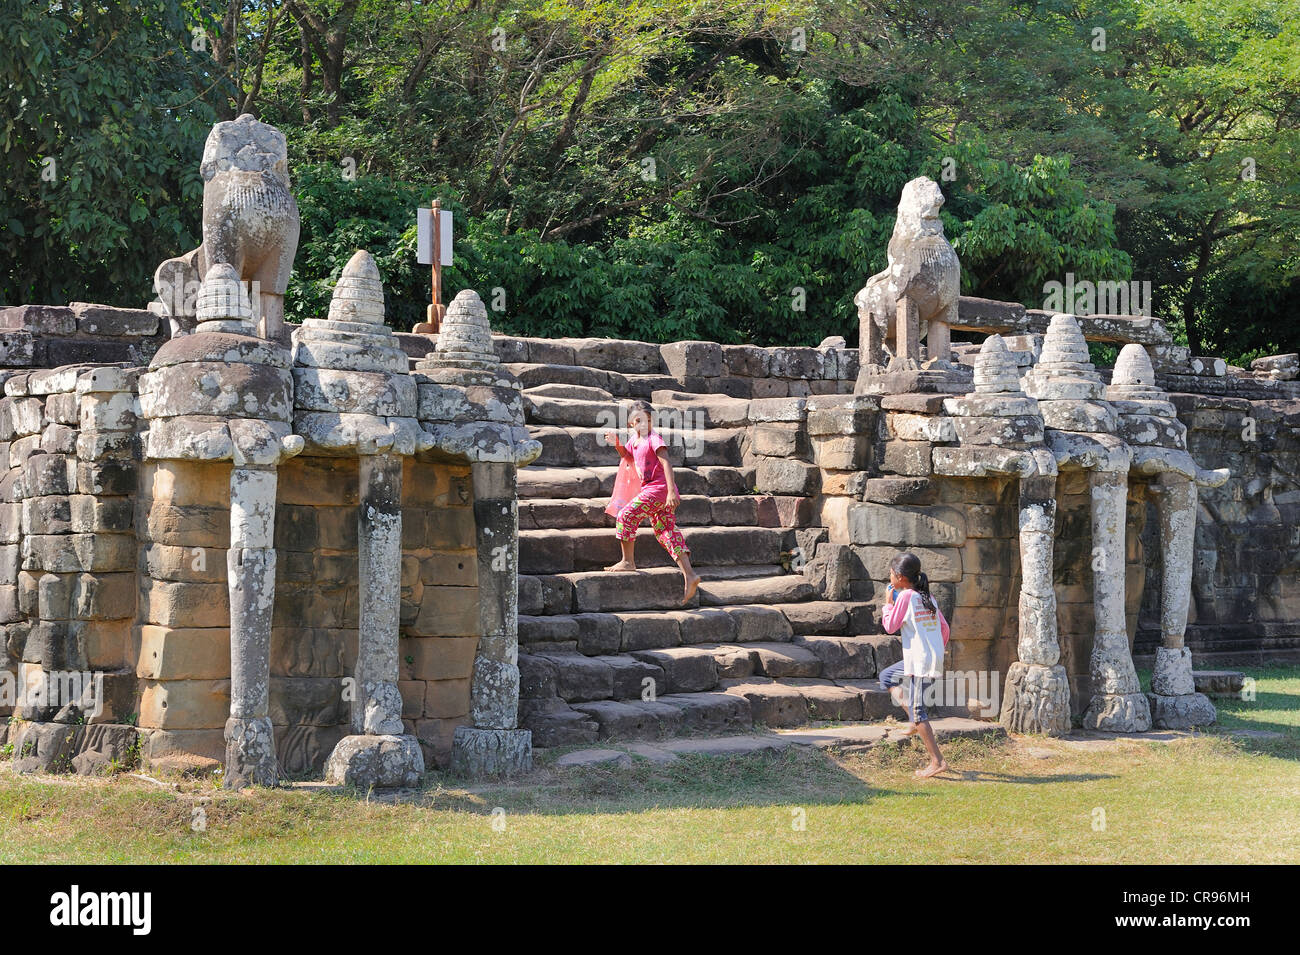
x=1037, y=694
x=1118, y=704
x=472, y=410
x=938, y=340
x=1000, y=430
x=377, y=707
x=222, y=394
x=1173, y=690
x=250, y=562
x=353, y=394
x=495, y=744
x=871, y=346
x=1148, y=421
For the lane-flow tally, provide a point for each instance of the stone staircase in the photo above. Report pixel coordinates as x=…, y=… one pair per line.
x=616, y=656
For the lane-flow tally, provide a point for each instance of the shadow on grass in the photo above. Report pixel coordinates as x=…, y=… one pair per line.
x=801, y=776
x=791, y=776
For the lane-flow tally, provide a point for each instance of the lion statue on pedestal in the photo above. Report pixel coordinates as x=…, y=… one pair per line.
x=917, y=294
x=250, y=221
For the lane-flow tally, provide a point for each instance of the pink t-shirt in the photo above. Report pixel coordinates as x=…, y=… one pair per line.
x=654, y=483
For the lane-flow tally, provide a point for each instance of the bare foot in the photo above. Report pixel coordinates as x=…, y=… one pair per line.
x=621, y=567
x=910, y=731
x=934, y=769
x=692, y=584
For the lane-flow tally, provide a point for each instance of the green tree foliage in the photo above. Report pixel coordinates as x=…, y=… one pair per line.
x=720, y=169
x=100, y=136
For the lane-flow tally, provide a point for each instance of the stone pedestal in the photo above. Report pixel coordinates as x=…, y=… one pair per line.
x=489, y=752
x=378, y=762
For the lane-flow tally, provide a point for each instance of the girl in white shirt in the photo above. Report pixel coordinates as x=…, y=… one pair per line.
x=911, y=612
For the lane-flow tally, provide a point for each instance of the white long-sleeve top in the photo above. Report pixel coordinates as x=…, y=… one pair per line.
x=924, y=633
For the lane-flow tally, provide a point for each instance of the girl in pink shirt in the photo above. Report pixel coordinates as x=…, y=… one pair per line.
x=657, y=501
x=910, y=611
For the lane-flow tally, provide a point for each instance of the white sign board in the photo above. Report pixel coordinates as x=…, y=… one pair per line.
x=424, y=236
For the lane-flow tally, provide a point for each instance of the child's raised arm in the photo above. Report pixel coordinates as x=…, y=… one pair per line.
x=611, y=437
x=895, y=613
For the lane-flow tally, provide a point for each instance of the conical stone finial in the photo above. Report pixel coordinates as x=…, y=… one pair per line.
x=359, y=294
x=223, y=304
x=1133, y=373
x=1063, y=370
x=354, y=337
x=464, y=336
x=1064, y=343
x=1133, y=388
x=995, y=371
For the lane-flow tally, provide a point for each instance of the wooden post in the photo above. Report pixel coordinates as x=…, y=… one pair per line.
x=436, y=310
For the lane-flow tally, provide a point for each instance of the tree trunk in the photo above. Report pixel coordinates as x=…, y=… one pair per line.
x=1196, y=291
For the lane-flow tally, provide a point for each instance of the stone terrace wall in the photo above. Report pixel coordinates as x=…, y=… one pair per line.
x=48, y=336
x=184, y=661
x=74, y=533
x=67, y=586
x=1246, y=582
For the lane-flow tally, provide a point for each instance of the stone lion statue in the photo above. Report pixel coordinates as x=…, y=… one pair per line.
x=916, y=295
x=250, y=221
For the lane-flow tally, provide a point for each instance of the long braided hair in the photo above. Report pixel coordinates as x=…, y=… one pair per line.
x=908, y=566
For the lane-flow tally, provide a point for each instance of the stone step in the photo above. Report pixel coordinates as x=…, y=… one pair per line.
x=531, y=375
x=624, y=631
x=1222, y=683
x=597, y=592
x=619, y=384
x=738, y=706
x=688, y=447
x=562, y=390
x=587, y=407
x=819, y=656
x=556, y=593
x=795, y=702
x=544, y=481
x=719, y=410
x=589, y=549
x=856, y=737
x=695, y=510
x=764, y=590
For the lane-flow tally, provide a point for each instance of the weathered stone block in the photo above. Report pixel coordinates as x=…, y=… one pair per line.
x=438, y=658
x=907, y=526
x=183, y=654
x=185, y=704
x=785, y=476
x=693, y=358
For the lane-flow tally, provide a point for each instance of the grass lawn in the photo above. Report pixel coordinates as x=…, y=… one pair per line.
x=1213, y=797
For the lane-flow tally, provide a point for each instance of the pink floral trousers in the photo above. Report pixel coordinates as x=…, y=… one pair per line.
x=662, y=520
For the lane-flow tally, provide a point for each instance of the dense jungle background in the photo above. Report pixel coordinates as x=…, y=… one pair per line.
x=676, y=170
